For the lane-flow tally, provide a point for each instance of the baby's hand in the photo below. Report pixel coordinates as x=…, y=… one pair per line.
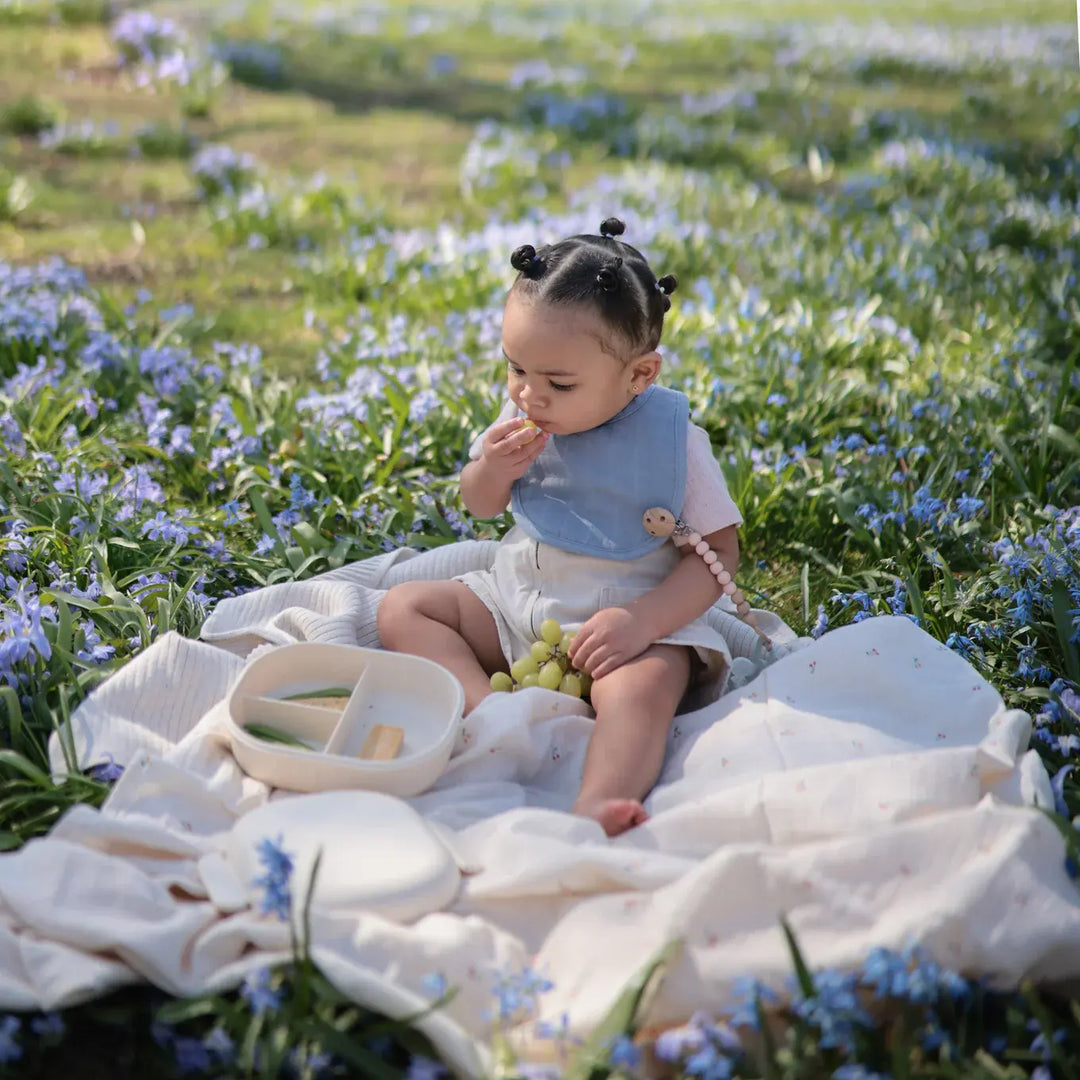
x=607, y=640
x=511, y=446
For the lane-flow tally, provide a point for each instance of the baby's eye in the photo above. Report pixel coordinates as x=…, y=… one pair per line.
x=561, y=386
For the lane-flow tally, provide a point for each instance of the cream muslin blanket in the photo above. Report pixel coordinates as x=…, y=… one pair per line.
x=869, y=786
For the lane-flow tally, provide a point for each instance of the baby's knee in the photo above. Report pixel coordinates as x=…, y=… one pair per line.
x=396, y=608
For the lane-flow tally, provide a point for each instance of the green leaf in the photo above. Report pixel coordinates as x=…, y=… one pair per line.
x=176, y=1012
x=1063, y=624
x=21, y=764
x=370, y=1066
x=802, y=972
x=624, y=1017
x=262, y=514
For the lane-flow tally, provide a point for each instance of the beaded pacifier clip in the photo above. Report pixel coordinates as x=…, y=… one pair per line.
x=661, y=522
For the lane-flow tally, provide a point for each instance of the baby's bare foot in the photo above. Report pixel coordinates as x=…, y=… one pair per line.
x=615, y=815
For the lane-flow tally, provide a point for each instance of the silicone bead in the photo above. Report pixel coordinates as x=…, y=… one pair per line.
x=717, y=569
x=709, y=557
x=743, y=608
x=729, y=586
x=723, y=577
x=737, y=597
x=701, y=547
x=694, y=538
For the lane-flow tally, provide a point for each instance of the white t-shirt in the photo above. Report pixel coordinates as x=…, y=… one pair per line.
x=707, y=506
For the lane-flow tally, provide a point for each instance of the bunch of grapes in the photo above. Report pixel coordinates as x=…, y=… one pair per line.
x=547, y=665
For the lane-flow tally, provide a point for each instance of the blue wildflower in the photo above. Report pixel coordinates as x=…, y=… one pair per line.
x=106, y=772
x=191, y=1055
x=259, y=994
x=424, y=1068
x=10, y=1049
x=277, y=896
x=48, y=1026
x=622, y=1053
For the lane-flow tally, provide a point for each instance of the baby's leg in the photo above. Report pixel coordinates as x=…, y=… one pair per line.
x=634, y=707
x=446, y=622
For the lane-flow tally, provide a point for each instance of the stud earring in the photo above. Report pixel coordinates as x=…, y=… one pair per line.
x=634, y=388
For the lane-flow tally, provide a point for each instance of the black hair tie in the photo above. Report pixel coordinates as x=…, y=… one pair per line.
x=612, y=226
x=607, y=277
x=525, y=260
x=667, y=284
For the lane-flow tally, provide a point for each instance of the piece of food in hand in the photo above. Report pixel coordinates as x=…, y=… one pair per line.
x=530, y=425
x=502, y=682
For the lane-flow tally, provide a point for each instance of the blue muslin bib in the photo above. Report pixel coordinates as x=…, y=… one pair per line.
x=587, y=492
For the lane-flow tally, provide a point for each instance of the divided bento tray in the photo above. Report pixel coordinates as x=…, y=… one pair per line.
x=409, y=705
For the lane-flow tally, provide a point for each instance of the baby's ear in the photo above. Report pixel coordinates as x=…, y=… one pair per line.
x=645, y=368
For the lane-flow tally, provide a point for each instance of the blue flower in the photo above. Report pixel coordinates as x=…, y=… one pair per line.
x=191, y=1055
x=106, y=772
x=259, y=994
x=424, y=1068
x=218, y=1042
x=277, y=896
x=48, y=1026
x=622, y=1053
x=10, y=1050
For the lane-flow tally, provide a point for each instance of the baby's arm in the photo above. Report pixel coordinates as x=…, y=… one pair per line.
x=508, y=449
x=615, y=635
x=690, y=589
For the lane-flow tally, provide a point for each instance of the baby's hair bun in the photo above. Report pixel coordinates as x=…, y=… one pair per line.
x=612, y=226
x=667, y=284
x=524, y=258
x=607, y=277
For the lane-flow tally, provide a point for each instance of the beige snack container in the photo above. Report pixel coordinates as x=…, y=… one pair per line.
x=417, y=695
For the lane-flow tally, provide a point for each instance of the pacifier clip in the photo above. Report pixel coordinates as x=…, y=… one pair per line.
x=661, y=522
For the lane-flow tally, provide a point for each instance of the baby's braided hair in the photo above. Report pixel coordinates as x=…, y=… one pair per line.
x=613, y=278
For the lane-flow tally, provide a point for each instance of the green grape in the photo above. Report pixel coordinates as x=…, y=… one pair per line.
x=550, y=675
x=502, y=682
x=586, y=682
x=566, y=642
x=563, y=662
x=540, y=651
x=551, y=631
x=524, y=665
x=571, y=684
x=532, y=679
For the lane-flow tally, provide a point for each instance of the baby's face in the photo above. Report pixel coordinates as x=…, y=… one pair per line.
x=557, y=373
